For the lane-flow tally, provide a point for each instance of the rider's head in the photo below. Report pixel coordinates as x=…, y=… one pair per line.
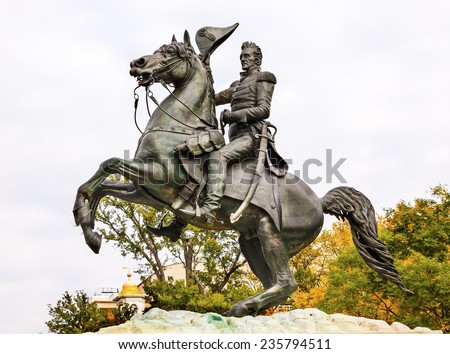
x=251, y=56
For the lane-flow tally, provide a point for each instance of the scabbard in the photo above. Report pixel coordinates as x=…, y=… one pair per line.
x=258, y=173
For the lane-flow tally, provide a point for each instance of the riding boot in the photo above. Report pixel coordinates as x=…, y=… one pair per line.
x=215, y=188
x=172, y=231
x=217, y=172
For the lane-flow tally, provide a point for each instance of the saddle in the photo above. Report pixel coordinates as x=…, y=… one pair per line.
x=238, y=181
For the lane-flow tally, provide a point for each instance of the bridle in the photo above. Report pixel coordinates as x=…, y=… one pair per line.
x=157, y=77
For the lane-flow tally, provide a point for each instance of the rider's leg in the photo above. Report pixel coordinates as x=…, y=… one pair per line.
x=235, y=151
x=217, y=172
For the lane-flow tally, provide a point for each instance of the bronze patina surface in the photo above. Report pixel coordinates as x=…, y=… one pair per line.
x=279, y=218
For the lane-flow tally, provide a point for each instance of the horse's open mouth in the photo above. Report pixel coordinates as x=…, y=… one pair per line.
x=145, y=79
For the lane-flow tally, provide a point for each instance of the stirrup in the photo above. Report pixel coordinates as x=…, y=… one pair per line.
x=201, y=212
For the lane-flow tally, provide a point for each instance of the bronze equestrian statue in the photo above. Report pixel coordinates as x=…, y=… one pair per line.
x=250, y=99
x=276, y=214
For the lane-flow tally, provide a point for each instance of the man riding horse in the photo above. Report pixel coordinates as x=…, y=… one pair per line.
x=281, y=220
x=250, y=99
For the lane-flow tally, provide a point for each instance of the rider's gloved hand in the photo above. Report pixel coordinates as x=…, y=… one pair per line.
x=226, y=117
x=239, y=116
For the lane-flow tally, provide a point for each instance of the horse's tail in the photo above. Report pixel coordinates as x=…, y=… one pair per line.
x=348, y=203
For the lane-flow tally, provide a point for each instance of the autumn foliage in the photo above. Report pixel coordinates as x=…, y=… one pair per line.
x=331, y=275
x=334, y=278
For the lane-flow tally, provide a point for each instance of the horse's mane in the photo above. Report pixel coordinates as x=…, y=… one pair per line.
x=186, y=51
x=210, y=79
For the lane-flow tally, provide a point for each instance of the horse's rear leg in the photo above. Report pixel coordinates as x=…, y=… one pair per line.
x=281, y=281
x=252, y=251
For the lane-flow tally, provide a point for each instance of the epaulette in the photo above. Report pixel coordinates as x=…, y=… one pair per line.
x=267, y=76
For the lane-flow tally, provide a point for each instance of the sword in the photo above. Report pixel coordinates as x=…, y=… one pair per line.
x=258, y=172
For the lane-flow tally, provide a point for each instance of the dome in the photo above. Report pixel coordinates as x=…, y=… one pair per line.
x=129, y=288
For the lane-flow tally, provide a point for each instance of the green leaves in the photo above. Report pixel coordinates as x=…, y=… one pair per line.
x=178, y=295
x=75, y=314
x=212, y=259
x=422, y=226
x=417, y=235
x=430, y=305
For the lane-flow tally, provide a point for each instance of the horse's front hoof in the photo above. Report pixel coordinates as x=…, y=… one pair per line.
x=92, y=238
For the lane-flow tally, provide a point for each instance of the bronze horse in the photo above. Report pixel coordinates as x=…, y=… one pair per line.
x=155, y=178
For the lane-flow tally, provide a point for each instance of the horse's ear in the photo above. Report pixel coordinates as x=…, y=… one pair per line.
x=174, y=39
x=187, y=39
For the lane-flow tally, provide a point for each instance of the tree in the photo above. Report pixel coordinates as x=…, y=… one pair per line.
x=212, y=259
x=217, y=252
x=355, y=289
x=311, y=265
x=76, y=314
x=178, y=295
x=422, y=226
x=124, y=226
x=430, y=280
x=221, y=259
x=417, y=235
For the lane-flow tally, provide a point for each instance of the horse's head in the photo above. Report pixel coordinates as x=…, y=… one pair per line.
x=171, y=63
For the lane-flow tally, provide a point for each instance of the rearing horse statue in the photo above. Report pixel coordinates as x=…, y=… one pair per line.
x=156, y=176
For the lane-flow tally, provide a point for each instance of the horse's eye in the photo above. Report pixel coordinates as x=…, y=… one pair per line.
x=171, y=50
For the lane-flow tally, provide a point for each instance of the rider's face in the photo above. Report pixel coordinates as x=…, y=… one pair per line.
x=248, y=59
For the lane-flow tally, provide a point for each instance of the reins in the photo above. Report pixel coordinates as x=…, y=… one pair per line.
x=184, y=104
x=149, y=94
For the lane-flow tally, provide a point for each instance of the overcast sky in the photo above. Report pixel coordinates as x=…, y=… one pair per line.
x=369, y=80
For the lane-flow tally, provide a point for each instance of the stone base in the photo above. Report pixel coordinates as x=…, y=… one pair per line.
x=296, y=321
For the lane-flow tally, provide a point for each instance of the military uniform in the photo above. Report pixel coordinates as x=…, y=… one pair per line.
x=250, y=99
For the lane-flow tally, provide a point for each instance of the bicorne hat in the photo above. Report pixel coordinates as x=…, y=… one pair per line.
x=208, y=39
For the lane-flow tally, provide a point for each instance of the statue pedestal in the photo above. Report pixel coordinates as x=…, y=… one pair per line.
x=295, y=321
